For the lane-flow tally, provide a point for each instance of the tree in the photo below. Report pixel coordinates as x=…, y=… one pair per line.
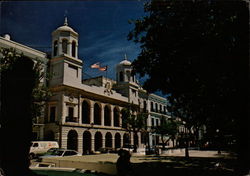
x=167, y=130
x=200, y=49
x=20, y=90
x=134, y=121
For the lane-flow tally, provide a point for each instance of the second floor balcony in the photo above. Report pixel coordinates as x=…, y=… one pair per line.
x=71, y=119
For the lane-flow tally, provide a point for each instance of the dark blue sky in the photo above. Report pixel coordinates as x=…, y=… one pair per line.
x=102, y=26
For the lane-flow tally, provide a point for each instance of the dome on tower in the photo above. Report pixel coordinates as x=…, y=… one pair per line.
x=65, y=27
x=125, y=62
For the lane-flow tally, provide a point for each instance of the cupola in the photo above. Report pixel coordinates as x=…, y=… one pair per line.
x=65, y=41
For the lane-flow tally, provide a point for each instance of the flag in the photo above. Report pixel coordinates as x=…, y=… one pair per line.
x=96, y=65
x=103, y=68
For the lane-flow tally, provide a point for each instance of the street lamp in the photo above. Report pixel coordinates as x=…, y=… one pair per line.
x=218, y=140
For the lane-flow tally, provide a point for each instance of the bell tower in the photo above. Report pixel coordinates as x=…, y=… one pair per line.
x=126, y=82
x=65, y=67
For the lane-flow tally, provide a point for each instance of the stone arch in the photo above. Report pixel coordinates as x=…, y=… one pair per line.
x=98, y=140
x=72, y=140
x=116, y=117
x=123, y=114
x=65, y=46
x=126, y=139
x=49, y=136
x=97, y=114
x=108, y=140
x=136, y=139
x=121, y=76
x=85, y=112
x=73, y=49
x=107, y=116
x=86, y=142
x=55, y=47
x=117, y=140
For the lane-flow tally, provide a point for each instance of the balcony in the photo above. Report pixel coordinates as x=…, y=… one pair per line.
x=71, y=119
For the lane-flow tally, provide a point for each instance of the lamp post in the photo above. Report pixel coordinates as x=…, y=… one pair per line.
x=218, y=140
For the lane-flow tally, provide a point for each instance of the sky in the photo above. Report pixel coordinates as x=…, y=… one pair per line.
x=102, y=27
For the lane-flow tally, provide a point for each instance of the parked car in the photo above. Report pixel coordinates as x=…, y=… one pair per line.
x=41, y=147
x=61, y=153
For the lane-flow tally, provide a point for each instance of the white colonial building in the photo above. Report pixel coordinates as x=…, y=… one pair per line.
x=86, y=115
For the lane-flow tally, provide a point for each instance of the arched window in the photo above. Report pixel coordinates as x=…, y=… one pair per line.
x=98, y=141
x=64, y=46
x=116, y=117
x=97, y=114
x=117, y=140
x=55, y=47
x=107, y=116
x=108, y=140
x=121, y=76
x=86, y=147
x=85, y=112
x=73, y=49
x=72, y=140
x=128, y=75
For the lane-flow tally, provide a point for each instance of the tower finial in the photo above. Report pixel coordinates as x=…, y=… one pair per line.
x=125, y=56
x=65, y=21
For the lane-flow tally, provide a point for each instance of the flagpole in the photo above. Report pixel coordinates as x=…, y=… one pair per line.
x=106, y=73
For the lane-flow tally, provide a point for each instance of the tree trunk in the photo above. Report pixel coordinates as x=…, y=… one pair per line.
x=186, y=148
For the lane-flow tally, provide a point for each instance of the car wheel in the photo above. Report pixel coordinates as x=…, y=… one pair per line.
x=31, y=156
x=1, y=172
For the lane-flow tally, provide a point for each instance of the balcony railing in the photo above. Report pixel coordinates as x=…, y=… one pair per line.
x=71, y=119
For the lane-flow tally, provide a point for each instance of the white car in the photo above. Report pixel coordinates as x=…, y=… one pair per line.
x=61, y=153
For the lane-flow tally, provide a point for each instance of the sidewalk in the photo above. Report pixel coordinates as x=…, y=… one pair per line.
x=106, y=163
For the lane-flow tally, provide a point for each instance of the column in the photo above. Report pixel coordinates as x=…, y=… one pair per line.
x=59, y=47
x=103, y=141
x=92, y=142
x=113, y=142
x=92, y=112
x=102, y=114
x=63, y=109
x=77, y=50
x=79, y=110
x=120, y=117
x=139, y=140
x=112, y=115
x=69, y=48
x=80, y=142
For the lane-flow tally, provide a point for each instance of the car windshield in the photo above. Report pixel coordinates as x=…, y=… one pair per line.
x=57, y=153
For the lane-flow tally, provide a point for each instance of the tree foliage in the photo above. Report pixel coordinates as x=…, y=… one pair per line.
x=167, y=130
x=134, y=121
x=200, y=50
x=40, y=92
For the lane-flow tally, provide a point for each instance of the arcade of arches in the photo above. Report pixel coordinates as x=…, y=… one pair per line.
x=90, y=140
x=110, y=117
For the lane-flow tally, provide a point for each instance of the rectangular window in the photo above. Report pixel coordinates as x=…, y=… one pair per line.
x=71, y=112
x=52, y=115
x=152, y=122
x=152, y=106
x=156, y=122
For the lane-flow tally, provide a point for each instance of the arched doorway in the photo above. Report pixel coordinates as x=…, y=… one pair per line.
x=49, y=136
x=107, y=116
x=117, y=140
x=72, y=141
x=136, y=141
x=108, y=140
x=98, y=141
x=126, y=140
x=97, y=114
x=86, y=142
x=116, y=117
x=85, y=112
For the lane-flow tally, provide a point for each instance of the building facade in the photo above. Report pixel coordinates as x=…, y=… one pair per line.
x=86, y=115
